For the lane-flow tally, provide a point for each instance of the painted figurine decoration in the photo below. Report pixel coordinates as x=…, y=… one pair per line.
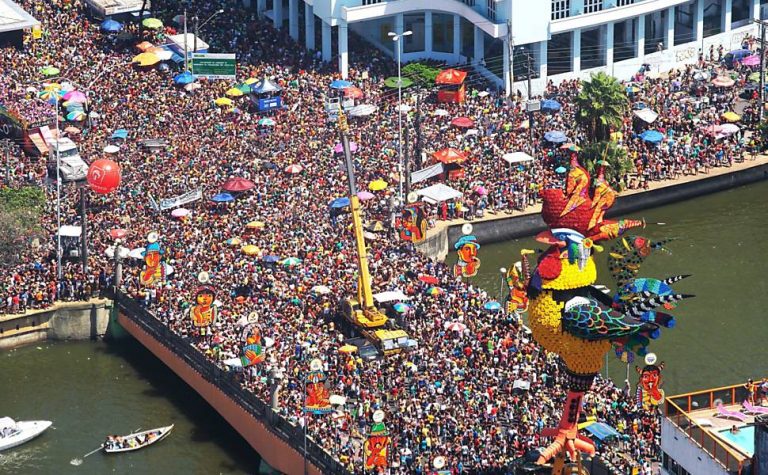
x=649, y=392
x=154, y=269
x=413, y=223
x=253, y=350
x=518, y=276
x=318, y=398
x=569, y=316
x=376, y=446
x=468, y=263
x=204, y=312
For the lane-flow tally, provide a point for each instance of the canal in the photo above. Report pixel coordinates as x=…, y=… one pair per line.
x=91, y=389
x=721, y=336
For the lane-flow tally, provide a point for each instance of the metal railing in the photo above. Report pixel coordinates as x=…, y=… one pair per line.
x=227, y=382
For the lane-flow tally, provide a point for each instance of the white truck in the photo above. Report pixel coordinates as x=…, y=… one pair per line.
x=71, y=165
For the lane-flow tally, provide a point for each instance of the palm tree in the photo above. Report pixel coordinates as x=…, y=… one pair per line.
x=601, y=104
x=610, y=154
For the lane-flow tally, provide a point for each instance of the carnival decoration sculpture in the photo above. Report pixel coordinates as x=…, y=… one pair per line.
x=376, y=446
x=468, y=263
x=103, y=176
x=649, y=392
x=253, y=350
x=518, y=276
x=318, y=397
x=413, y=223
x=204, y=312
x=154, y=269
x=569, y=316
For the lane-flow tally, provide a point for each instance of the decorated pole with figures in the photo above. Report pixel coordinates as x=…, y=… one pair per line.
x=203, y=313
x=466, y=247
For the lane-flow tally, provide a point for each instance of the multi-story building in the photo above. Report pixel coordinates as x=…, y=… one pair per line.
x=563, y=38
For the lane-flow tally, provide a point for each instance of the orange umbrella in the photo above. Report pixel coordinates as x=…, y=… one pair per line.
x=144, y=46
x=353, y=93
x=463, y=122
x=449, y=155
x=451, y=77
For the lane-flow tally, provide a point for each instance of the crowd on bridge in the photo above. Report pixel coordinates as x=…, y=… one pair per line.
x=454, y=394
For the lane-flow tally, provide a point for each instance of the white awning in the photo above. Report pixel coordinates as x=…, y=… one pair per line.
x=70, y=231
x=517, y=157
x=426, y=173
x=362, y=110
x=646, y=115
x=390, y=296
x=439, y=192
x=14, y=18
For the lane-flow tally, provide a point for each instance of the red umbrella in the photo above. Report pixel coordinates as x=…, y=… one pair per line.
x=118, y=233
x=237, y=184
x=293, y=169
x=449, y=155
x=463, y=122
x=429, y=279
x=353, y=93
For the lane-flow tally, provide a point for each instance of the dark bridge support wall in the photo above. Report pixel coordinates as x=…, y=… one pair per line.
x=272, y=448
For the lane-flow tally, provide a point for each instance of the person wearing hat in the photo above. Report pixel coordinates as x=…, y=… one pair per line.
x=468, y=263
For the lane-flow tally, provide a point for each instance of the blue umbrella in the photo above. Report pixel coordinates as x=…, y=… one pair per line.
x=340, y=202
x=401, y=307
x=652, y=136
x=223, y=198
x=270, y=259
x=560, y=170
x=550, y=105
x=111, y=26
x=120, y=134
x=555, y=136
x=492, y=306
x=184, y=78
x=340, y=84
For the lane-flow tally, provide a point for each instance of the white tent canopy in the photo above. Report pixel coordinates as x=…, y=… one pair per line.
x=390, y=296
x=438, y=193
x=646, y=115
x=426, y=173
x=362, y=110
x=266, y=86
x=517, y=157
x=70, y=231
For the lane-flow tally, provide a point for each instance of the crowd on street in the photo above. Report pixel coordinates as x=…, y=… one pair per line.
x=454, y=395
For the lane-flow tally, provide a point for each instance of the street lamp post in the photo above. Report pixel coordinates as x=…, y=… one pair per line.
x=503, y=272
x=399, y=46
x=198, y=27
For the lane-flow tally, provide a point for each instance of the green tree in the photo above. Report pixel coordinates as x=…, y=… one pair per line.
x=615, y=158
x=20, y=210
x=423, y=74
x=602, y=105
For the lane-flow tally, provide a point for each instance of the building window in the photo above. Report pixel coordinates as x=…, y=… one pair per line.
x=442, y=33
x=561, y=9
x=624, y=3
x=470, y=3
x=371, y=2
x=591, y=6
x=491, y=9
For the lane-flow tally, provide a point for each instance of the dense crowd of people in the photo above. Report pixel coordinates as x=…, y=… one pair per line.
x=454, y=395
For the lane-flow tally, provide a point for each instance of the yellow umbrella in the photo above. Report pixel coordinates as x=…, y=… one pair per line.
x=250, y=250
x=235, y=241
x=255, y=225
x=731, y=116
x=146, y=59
x=54, y=86
x=250, y=81
x=234, y=92
x=377, y=185
x=223, y=101
x=348, y=349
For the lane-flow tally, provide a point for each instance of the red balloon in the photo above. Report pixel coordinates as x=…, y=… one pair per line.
x=104, y=176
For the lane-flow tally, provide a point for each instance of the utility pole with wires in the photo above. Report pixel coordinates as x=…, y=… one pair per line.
x=762, y=71
x=510, y=52
x=529, y=72
x=417, y=124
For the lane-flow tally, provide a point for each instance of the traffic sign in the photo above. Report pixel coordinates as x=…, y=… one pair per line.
x=214, y=65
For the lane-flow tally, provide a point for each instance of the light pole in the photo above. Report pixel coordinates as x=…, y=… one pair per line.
x=399, y=46
x=198, y=27
x=503, y=271
x=529, y=71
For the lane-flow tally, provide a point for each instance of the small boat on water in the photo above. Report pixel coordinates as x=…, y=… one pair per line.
x=13, y=433
x=135, y=441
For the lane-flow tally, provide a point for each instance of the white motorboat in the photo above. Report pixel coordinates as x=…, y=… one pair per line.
x=13, y=433
x=136, y=441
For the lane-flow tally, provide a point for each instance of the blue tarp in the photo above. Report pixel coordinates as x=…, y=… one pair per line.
x=550, y=105
x=340, y=84
x=555, y=136
x=120, y=134
x=652, y=136
x=339, y=202
x=602, y=431
x=223, y=198
x=111, y=25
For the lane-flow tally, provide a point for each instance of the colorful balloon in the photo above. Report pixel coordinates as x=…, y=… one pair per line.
x=103, y=176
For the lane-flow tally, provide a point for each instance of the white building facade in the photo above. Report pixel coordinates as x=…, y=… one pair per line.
x=560, y=39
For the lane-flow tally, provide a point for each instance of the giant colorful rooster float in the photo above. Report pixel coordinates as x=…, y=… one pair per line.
x=570, y=317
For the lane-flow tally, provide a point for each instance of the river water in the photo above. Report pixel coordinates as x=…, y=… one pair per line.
x=721, y=336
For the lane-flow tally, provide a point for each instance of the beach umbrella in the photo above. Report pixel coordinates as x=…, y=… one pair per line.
x=144, y=46
x=348, y=349
x=120, y=134
x=49, y=71
x=555, y=136
x=145, y=59
x=560, y=170
x=731, y=116
x=713, y=129
x=462, y=122
x=550, y=105
x=353, y=93
x=250, y=81
x=266, y=122
x=291, y=261
x=75, y=116
x=377, y=185
x=338, y=148
x=184, y=78
x=46, y=95
x=429, y=279
x=111, y=149
x=249, y=250
x=449, y=155
x=392, y=83
x=222, y=198
x=441, y=113
x=75, y=97
x=434, y=291
x=363, y=110
x=271, y=259
x=340, y=203
x=365, y=195
x=728, y=129
x=237, y=185
x=723, y=81
x=401, y=307
x=223, y=101
x=256, y=225
x=111, y=25
x=340, y=84
x=233, y=92
x=152, y=23
x=118, y=233
x=293, y=169
x=321, y=290
x=457, y=327
x=492, y=306
x=570, y=146
x=180, y=212
x=652, y=136
x=235, y=241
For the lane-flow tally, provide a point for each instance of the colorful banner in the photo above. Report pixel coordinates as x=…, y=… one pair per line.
x=188, y=197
